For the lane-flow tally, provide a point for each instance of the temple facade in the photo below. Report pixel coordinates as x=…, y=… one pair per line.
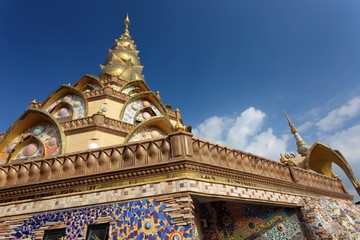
x=105, y=158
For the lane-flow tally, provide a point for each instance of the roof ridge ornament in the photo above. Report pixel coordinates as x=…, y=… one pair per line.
x=302, y=147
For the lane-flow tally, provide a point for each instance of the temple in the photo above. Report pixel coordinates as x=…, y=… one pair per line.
x=105, y=158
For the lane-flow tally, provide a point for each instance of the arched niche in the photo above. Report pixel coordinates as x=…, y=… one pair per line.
x=88, y=83
x=63, y=112
x=29, y=147
x=33, y=127
x=149, y=129
x=135, y=87
x=71, y=97
x=137, y=104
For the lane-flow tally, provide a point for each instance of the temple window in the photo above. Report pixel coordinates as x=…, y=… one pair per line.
x=54, y=234
x=97, y=232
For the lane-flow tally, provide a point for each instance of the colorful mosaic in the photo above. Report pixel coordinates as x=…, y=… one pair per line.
x=339, y=218
x=135, y=111
x=131, y=90
x=229, y=220
x=44, y=140
x=145, y=219
x=146, y=133
x=77, y=103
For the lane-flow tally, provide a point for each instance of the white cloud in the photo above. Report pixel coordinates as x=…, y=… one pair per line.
x=305, y=126
x=331, y=131
x=243, y=132
x=337, y=117
x=267, y=144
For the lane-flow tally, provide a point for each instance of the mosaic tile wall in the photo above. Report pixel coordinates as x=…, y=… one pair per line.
x=230, y=220
x=133, y=111
x=145, y=219
x=45, y=135
x=75, y=101
x=337, y=218
x=146, y=133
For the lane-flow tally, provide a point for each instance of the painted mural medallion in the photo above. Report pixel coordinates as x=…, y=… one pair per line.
x=38, y=130
x=30, y=149
x=63, y=112
x=146, y=115
x=77, y=104
x=146, y=103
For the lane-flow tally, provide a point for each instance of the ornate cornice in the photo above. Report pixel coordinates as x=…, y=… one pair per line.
x=163, y=158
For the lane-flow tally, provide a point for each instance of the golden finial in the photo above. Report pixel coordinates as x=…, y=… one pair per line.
x=302, y=147
x=179, y=126
x=126, y=33
x=33, y=101
x=127, y=21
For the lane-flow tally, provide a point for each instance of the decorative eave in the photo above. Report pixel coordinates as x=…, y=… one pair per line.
x=106, y=79
x=97, y=122
x=177, y=155
x=106, y=92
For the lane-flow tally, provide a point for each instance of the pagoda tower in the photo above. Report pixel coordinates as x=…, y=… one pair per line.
x=105, y=159
x=116, y=107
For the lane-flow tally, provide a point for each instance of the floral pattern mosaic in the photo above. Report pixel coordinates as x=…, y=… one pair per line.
x=146, y=133
x=46, y=142
x=339, y=218
x=143, y=219
x=77, y=103
x=134, y=111
x=230, y=220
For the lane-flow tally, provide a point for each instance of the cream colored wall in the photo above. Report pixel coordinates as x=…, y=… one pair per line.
x=81, y=141
x=113, y=108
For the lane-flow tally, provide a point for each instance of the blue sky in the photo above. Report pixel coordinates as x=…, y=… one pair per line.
x=230, y=66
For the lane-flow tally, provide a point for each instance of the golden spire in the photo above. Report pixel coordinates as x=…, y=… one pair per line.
x=302, y=147
x=122, y=60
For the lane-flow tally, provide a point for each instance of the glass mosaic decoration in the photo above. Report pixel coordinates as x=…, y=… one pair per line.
x=134, y=109
x=77, y=103
x=46, y=142
x=143, y=219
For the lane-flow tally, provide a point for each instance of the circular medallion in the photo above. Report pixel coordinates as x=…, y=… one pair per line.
x=176, y=236
x=37, y=130
x=155, y=133
x=281, y=227
x=63, y=112
x=148, y=225
x=146, y=115
x=251, y=225
x=135, y=106
x=146, y=103
x=77, y=104
x=30, y=149
x=67, y=98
